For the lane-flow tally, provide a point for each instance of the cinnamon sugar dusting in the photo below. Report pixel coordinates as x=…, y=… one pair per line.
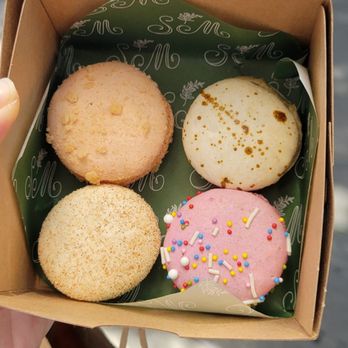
x=209, y=99
x=248, y=150
x=225, y=181
x=279, y=116
x=245, y=129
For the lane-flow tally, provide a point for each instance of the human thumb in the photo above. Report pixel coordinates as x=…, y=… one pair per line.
x=9, y=105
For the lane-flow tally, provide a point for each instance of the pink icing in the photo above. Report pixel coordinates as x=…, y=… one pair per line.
x=266, y=255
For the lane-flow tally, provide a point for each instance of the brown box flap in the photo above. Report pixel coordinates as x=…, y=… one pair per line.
x=39, y=52
x=12, y=11
x=60, y=308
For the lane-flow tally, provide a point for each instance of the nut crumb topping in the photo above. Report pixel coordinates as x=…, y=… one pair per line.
x=65, y=119
x=81, y=154
x=69, y=119
x=88, y=85
x=116, y=109
x=68, y=127
x=92, y=177
x=102, y=149
x=71, y=98
x=90, y=77
x=145, y=128
x=69, y=148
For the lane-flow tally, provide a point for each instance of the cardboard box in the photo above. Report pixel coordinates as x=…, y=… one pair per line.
x=31, y=36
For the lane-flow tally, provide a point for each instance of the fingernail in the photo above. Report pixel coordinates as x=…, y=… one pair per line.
x=8, y=92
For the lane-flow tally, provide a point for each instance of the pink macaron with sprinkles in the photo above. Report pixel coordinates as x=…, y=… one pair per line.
x=235, y=238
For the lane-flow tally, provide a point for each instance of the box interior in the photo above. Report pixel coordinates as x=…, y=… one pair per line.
x=33, y=56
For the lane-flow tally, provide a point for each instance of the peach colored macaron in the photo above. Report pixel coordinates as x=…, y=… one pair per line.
x=109, y=123
x=232, y=237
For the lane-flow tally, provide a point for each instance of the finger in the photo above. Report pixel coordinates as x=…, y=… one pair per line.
x=5, y=328
x=9, y=105
x=27, y=330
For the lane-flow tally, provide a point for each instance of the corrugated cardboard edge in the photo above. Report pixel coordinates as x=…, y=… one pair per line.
x=40, y=49
x=215, y=326
x=312, y=325
x=307, y=291
x=329, y=202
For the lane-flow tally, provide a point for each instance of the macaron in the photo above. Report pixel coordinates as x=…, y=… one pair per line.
x=234, y=238
x=240, y=133
x=98, y=242
x=109, y=123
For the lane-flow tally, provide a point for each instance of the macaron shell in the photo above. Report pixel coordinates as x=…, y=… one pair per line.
x=239, y=133
x=264, y=256
x=108, y=122
x=98, y=242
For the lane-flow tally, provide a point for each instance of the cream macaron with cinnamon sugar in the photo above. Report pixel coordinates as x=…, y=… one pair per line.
x=235, y=238
x=240, y=133
x=109, y=123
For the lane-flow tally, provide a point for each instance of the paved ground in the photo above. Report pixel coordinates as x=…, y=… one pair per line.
x=334, y=331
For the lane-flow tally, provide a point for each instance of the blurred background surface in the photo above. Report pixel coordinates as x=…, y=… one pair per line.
x=334, y=333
